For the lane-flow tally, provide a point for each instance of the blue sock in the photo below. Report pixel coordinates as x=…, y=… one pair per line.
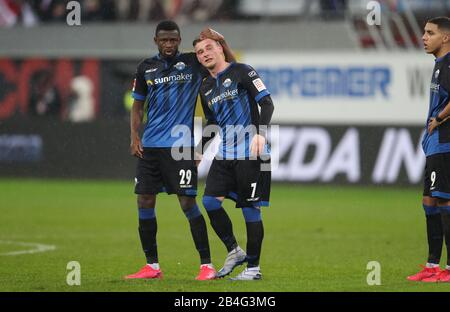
x=146, y=213
x=255, y=235
x=199, y=233
x=220, y=221
x=192, y=213
x=251, y=214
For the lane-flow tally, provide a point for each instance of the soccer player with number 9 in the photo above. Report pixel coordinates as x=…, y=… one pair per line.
x=436, y=145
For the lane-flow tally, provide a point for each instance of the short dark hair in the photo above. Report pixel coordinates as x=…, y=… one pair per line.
x=167, y=25
x=443, y=22
x=196, y=40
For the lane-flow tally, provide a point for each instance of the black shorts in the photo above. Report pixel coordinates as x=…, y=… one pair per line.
x=159, y=172
x=437, y=176
x=240, y=180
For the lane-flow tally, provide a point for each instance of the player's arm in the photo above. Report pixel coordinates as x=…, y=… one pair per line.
x=251, y=81
x=444, y=114
x=266, y=113
x=259, y=140
x=139, y=93
x=441, y=117
x=137, y=113
x=214, y=35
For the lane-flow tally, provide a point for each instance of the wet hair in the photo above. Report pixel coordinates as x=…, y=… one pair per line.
x=167, y=25
x=442, y=22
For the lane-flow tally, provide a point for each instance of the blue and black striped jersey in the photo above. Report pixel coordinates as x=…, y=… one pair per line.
x=170, y=89
x=439, y=140
x=230, y=101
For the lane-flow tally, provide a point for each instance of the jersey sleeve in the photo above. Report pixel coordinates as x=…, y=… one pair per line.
x=251, y=81
x=139, y=91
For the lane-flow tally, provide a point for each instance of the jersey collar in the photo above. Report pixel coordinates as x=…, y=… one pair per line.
x=224, y=71
x=438, y=59
x=159, y=57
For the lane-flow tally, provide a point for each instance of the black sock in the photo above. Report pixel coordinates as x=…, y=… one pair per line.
x=221, y=223
x=255, y=235
x=435, y=236
x=445, y=216
x=200, y=236
x=147, y=234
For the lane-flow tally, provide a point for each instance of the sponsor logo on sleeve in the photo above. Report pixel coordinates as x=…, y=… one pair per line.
x=252, y=74
x=259, y=85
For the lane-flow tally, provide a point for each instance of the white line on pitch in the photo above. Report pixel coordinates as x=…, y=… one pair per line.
x=34, y=248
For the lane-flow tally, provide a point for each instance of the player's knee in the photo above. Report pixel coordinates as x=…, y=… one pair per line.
x=252, y=214
x=192, y=212
x=429, y=201
x=147, y=213
x=211, y=203
x=441, y=202
x=186, y=202
x=444, y=209
x=146, y=201
x=430, y=210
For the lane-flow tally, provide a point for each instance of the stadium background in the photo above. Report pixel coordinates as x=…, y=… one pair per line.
x=351, y=101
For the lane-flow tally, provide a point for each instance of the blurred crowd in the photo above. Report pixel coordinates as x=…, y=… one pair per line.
x=33, y=12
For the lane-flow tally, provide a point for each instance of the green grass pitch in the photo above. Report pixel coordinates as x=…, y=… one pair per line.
x=316, y=239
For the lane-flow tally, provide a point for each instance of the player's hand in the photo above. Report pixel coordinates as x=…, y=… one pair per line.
x=257, y=145
x=209, y=33
x=432, y=124
x=198, y=158
x=136, y=148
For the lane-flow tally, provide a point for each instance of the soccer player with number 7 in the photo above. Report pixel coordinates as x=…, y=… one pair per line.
x=230, y=97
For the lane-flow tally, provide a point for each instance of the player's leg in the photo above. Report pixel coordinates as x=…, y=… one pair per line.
x=255, y=235
x=200, y=236
x=148, y=183
x=220, y=221
x=219, y=182
x=444, y=206
x=434, y=229
x=435, y=232
x=198, y=227
x=441, y=191
x=253, y=193
x=180, y=177
x=222, y=225
x=148, y=226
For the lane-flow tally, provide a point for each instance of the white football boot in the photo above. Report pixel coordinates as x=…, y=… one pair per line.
x=234, y=258
x=249, y=274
